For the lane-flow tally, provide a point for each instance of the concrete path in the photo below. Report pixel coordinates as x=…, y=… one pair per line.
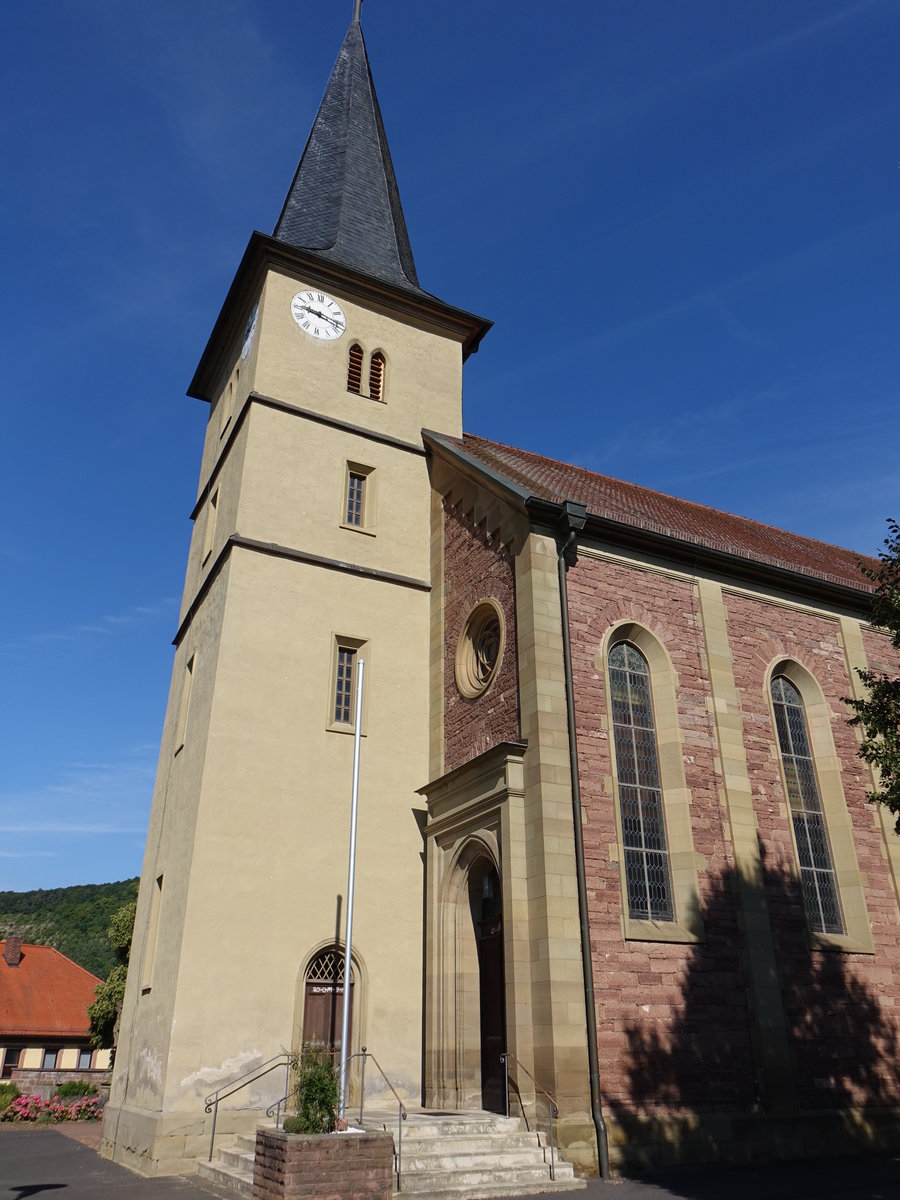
x=44, y=1162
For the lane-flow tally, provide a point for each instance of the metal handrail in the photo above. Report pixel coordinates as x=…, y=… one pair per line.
x=211, y=1104
x=274, y=1110
x=401, y=1107
x=552, y=1106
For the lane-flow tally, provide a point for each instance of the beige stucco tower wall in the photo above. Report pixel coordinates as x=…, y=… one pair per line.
x=245, y=871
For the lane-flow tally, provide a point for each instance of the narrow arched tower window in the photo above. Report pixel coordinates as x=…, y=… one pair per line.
x=647, y=875
x=354, y=369
x=816, y=870
x=376, y=376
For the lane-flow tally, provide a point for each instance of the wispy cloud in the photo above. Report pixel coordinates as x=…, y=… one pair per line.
x=100, y=627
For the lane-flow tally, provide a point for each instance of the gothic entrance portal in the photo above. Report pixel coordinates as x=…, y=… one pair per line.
x=486, y=907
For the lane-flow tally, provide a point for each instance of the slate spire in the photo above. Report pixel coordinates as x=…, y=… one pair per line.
x=344, y=204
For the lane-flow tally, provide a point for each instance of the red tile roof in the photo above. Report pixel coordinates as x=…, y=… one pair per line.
x=45, y=995
x=681, y=520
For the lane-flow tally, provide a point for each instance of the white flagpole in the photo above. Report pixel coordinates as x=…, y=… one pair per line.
x=351, y=882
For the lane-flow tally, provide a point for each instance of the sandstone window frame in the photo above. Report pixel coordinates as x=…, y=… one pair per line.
x=360, y=648
x=369, y=502
x=857, y=936
x=687, y=927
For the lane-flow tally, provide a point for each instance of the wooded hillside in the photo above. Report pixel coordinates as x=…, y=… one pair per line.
x=73, y=920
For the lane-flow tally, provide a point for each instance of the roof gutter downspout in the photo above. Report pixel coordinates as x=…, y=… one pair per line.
x=571, y=521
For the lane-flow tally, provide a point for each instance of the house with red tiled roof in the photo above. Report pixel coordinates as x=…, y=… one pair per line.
x=616, y=860
x=44, y=1027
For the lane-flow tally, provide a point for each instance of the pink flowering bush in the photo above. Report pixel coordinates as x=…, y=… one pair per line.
x=51, y=1112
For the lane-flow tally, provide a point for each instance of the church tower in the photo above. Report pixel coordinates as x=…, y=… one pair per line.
x=310, y=551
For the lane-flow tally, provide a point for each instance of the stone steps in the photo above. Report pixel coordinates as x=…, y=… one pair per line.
x=446, y=1156
x=232, y=1166
x=474, y=1155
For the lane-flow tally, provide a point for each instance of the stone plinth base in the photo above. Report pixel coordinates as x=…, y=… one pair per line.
x=352, y=1166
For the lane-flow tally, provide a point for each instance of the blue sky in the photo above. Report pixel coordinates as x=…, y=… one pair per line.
x=684, y=219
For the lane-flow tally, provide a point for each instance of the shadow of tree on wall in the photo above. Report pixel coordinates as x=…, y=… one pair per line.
x=704, y=1060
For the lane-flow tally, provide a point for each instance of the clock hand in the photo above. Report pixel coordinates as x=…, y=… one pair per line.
x=322, y=316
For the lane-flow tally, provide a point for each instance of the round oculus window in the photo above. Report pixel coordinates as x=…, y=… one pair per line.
x=480, y=649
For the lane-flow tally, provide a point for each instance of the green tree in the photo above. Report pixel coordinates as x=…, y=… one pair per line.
x=878, y=714
x=104, y=1012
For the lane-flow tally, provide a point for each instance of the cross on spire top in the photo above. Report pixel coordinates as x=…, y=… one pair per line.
x=357, y=9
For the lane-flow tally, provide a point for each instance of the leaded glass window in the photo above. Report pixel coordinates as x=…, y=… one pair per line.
x=816, y=870
x=647, y=877
x=356, y=495
x=343, y=692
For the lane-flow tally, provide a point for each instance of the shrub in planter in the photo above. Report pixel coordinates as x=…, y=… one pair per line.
x=8, y=1093
x=316, y=1092
x=75, y=1087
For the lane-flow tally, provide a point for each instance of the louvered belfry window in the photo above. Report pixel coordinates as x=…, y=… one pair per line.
x=376, y=377
x=816, y=869
x=354, y=369
x=647, y=877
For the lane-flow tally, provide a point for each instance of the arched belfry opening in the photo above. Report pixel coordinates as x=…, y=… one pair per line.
x=486, y=914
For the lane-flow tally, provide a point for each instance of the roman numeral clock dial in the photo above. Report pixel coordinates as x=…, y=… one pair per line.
x=318, y=315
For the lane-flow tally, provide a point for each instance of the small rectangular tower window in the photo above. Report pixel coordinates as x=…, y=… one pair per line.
x=358, y=511
x=149, y=960
x=184, y=705
x=342, y=698
x=344, y=685
x=210, y=532
x=356, y=499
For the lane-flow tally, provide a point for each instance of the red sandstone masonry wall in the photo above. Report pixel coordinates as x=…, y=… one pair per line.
x=476, y=569
x=840, y=1007
x=673, y=1025
x=327, y=1167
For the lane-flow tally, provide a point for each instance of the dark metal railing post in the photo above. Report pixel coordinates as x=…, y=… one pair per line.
x=212, y=1136
x=362, y=1085
x=552, y=1145
x=401, y=1116
x=505, y=1060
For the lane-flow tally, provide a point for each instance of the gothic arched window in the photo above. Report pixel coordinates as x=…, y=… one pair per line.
x=354, y=369
x=647, y=876
x=816, y=870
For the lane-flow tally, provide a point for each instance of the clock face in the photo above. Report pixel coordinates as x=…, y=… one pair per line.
x=249, y=331
x=318, y=315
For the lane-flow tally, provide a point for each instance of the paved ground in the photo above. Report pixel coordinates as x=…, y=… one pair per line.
x=870, y=1177
x=45, y=1163
x=40, y=1162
